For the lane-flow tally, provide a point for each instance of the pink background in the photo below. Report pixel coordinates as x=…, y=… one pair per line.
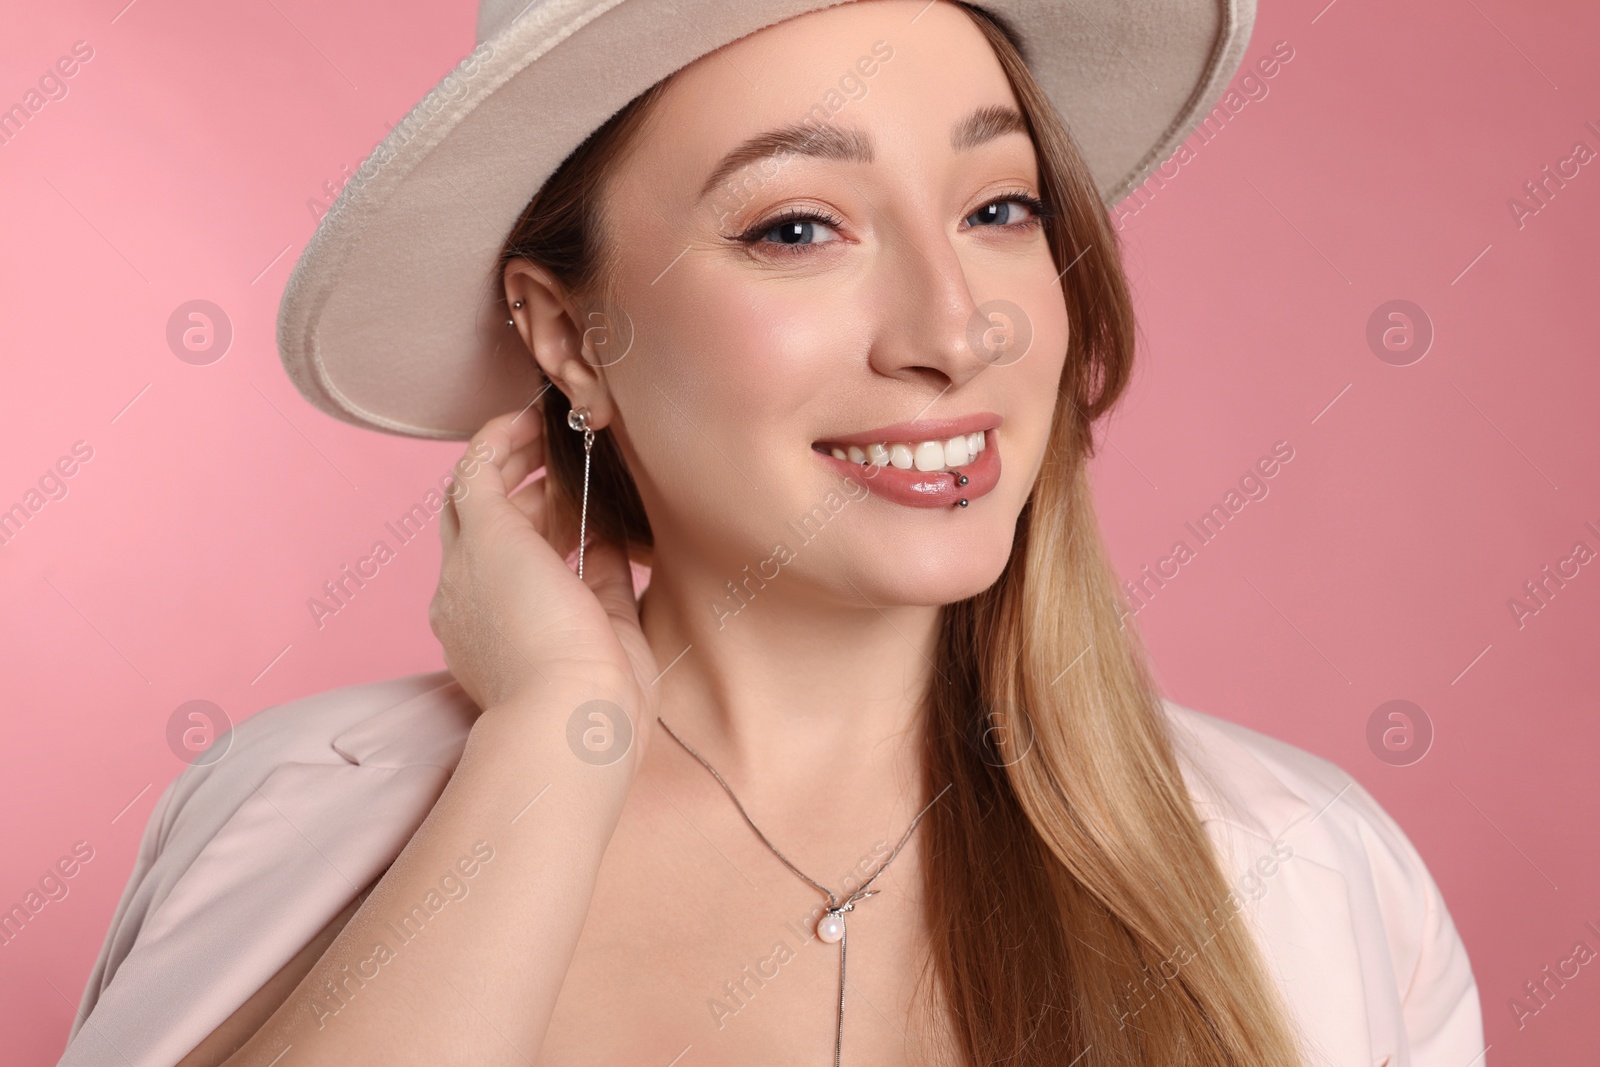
x=1419, y=500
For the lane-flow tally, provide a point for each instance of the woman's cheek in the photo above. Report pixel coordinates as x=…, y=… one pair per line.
x=702, y=388
x=814, y=341
x=774, y=354
x=1039, y=368
x=1050, y=354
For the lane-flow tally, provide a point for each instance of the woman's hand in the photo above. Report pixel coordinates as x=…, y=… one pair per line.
x=514, y=620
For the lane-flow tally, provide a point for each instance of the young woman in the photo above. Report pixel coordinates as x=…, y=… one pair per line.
x=817, y=327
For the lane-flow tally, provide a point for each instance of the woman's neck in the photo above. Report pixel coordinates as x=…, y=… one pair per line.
x=790, y=694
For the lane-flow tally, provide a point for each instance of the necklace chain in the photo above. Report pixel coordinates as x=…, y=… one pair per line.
x=834, y=906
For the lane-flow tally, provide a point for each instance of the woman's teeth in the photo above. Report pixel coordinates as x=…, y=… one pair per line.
x=921, y=455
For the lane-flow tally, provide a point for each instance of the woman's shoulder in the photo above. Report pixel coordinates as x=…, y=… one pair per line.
x=1258, y=782
x=1266, y=789
x=1349, y=915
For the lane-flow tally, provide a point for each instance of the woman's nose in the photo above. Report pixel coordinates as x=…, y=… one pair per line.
x=931, y=324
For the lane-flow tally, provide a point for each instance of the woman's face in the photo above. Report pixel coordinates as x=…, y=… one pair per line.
x=876, y=286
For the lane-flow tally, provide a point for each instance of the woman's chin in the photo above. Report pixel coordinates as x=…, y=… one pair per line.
x=931, y=574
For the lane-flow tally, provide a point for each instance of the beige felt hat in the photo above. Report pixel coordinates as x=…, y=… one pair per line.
x=394, y=317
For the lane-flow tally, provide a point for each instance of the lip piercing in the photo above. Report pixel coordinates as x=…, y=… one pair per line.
x=961, y=479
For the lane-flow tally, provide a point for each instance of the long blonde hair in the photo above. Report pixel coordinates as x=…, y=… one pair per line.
x=1068, y=882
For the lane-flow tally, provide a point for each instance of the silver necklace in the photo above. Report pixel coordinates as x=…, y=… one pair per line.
x=830, y=926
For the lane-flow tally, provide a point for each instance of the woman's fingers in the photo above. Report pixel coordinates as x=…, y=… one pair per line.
x=525, y=460
x=517, y=470
x=533, y=500
x=517, y=439
x=505, y=443
x=449, y=522
x=606, y=571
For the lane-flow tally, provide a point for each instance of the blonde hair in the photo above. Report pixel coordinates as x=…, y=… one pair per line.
x=1066, y=872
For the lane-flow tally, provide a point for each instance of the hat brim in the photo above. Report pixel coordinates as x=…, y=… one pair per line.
x=393, y=318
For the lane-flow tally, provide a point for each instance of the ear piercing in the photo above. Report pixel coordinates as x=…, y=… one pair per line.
x=578, y=419
x=510, y=321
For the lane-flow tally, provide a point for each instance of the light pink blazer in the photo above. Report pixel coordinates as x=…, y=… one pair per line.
x=243, y=861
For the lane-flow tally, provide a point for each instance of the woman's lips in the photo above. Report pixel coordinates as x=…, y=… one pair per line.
x=925, y=489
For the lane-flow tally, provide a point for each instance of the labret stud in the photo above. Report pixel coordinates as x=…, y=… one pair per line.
x=961, y=479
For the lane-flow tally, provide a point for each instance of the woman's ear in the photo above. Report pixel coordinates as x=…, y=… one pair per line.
x=548, y=321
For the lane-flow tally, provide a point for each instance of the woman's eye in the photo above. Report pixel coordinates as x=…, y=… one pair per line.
x=797, y=231
x=1012, y=211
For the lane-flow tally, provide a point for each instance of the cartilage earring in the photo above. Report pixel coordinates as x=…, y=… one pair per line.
x=578, y=419
x=509, y=320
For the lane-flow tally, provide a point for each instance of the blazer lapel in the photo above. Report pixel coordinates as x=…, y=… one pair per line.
x=430, y=729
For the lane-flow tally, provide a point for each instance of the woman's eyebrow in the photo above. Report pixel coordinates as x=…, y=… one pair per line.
x=851, y=145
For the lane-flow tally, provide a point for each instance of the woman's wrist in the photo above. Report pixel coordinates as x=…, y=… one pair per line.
x=558, y=697
x=571, y=730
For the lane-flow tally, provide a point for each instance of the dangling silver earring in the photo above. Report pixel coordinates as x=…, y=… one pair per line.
x=578, y=419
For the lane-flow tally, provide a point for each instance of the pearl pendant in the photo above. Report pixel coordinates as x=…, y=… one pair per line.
x=830, y=928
